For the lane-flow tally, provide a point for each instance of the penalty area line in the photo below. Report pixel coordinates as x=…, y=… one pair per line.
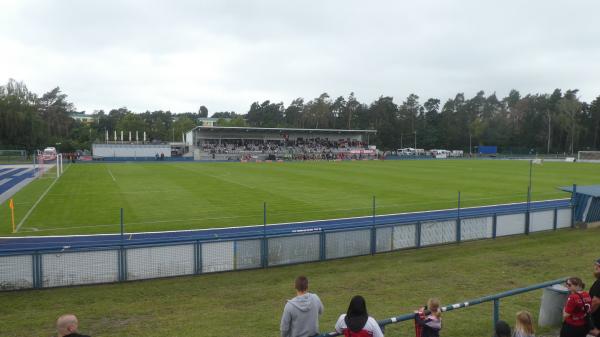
x=35, y=205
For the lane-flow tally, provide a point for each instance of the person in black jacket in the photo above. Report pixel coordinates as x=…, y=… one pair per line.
x=502, y=329
x=66, y=326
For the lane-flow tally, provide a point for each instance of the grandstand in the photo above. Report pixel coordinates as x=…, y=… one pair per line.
x=257, y=144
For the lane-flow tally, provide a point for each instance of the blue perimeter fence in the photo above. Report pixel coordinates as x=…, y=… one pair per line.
x=495, y=298
x=44, y=262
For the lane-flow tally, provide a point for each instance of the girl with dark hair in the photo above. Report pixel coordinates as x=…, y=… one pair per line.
x=357, y=322
x=576, y=309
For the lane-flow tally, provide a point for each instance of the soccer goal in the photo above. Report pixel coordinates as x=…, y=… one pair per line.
x=588, y=155
x=13, y=157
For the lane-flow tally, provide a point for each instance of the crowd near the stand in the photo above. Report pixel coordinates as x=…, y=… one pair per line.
x=581, y=315
x=300, y=149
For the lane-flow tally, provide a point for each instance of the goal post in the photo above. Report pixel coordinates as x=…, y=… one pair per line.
x=13, y=157
x=588, y=155
x=59, y=165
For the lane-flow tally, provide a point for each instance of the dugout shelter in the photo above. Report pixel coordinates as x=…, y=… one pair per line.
x=586, y=202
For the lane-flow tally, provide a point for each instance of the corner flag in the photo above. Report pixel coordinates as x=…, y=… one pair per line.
x=11, y=204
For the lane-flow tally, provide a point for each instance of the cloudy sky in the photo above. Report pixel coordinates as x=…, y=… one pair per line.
x=178, y=55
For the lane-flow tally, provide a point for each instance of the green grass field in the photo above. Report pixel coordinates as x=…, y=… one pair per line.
x=170, y=196
x=249, y=303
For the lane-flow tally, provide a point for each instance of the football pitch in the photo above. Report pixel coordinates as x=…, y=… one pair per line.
x=87, y=198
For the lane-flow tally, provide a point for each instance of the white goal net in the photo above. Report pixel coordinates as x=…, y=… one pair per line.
x=588, y=155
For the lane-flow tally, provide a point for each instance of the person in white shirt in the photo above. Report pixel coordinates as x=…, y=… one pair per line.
x=357, y=322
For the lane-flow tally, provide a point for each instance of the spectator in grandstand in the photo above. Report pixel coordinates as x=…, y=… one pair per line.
x=356, y=322
x=502, y=329
x=524, y=325
x=595, y=294
x=301, y=314
x=429, y=319
x=574, y=313
x=66, y=326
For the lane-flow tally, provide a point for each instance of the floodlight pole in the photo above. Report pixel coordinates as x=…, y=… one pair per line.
x=415, y=141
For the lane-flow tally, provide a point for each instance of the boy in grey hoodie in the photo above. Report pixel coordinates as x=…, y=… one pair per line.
x=301, y=314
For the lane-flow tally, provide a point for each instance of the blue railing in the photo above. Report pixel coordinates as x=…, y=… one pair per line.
x=490, y=298
x=43, y=262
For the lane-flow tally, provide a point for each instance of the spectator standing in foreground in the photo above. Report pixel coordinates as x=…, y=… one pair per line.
x=574, y=313
x=429, y=319
x=524, y=325
x=502, y=329
x=66, y=326
x=301, y=314
x=595, y=295
x=356, y=322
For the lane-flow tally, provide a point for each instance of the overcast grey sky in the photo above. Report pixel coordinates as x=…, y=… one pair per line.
x=178, y=55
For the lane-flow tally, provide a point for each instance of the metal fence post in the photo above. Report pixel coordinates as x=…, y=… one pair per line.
x=264, y=249
x=496, y=315
x=235, y=253
x=33, y=271
x=125, y=267
x=322, y=245
x=418, y=234
x=37, y=270
x=458, y=224
x=200, y=257
x=373, y=231
x=196, y=257
x=573, y=205
x=122, y=225
x=528, y=212
x=494, y=225
x=122, y=264
x=119, y=264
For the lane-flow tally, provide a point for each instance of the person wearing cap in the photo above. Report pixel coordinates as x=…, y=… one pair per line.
x=595, y=295
x=66, y=326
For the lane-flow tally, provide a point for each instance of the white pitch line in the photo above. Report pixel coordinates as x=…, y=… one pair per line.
x=35, y=205
x=111, y=175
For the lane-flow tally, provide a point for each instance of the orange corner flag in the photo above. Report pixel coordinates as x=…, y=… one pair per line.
x=11, y=204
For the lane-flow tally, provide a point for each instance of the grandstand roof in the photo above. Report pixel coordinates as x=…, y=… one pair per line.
x=591, y=190
x=254, y=129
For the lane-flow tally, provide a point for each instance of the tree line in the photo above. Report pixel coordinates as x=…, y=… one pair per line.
x=557, y=122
